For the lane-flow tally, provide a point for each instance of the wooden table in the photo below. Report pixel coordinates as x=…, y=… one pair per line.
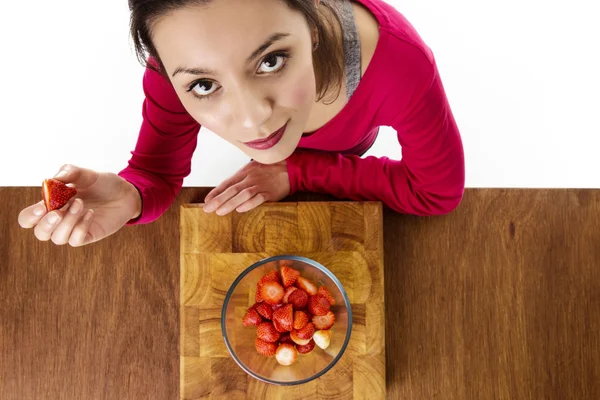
x=498, y=300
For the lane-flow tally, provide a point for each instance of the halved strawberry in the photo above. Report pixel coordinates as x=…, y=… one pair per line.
x=277, y=306
x=288, y=276
x=306, y=332
x=285, y=317
x=56, y=194
x=306, y=285
x=325, y=293
x=324, y=321
x=266, y=331
x=271, y=292
x=264, y=310
x=287, y=293
x=251, y=318
x=265, y=348
x=307, y=348
x=297, y=340
x=299, y=299
x=286, y=354
x=300, y=319
x=272, y=276
x=318, y=305
x=285, y=338
x=322, y=338
x=257, y=298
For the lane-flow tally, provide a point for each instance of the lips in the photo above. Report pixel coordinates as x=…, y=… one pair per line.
x=267, y=143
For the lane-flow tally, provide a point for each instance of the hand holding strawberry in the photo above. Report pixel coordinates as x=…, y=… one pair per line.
x=102, y=204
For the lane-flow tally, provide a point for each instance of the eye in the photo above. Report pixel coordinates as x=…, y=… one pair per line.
x=272, y=62
x=203, y=88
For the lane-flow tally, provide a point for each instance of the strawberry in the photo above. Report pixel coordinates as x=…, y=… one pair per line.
x=324, y=321
x=306, y=285
x=318, y=305
x=322, y=338
x=306, y=332
x=288, y=276
x=265, y=348
x=277, y=306
x=272, y=276
x=297, y=340
x=325, y=293
x=285, y=338
x=285, y=317
x=287, y=293
x=251, y=318
x=56, y=194
x=271, y=292
x=266, y=331
x=257, y=298
x=278, y=327
x=286, y=354
x=299, y=299
x=300, y=319
x=264, y=310
x=307, y=348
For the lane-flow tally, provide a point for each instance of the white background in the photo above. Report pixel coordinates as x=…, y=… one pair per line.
x=522, y=77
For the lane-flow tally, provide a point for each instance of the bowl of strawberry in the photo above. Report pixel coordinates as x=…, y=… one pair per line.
x=286, y=320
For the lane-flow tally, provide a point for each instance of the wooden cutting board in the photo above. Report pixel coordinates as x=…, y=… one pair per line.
x=346, y=237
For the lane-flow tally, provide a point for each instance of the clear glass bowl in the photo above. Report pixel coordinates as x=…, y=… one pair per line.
x=240, y=339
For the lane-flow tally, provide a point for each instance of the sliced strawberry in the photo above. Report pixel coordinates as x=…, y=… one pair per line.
x=306, y=285
x=306, y=332
x=287, y=293
x=299, y=299
x=264, y=310
x=285, y=338
x=324, y=321
x=322, y=338
x=297, y=340
x=251, y=318
x=288, y=276
x=267, y=332
x=271, y=292
x=307, y=348
x=286, y=354
x=257, y=298
x=325, y=293
x=265, y=348
x=318, y=305
x=300, y=319
x=277, y=306
x=56, y=194
x=285, y=317
x=272, y=276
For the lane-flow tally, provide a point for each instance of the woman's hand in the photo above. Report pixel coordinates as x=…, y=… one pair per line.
x=249, y=187
x=104, y=203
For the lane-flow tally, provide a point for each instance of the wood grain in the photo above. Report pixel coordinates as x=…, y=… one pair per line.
x=333, y=234
x=498, y=300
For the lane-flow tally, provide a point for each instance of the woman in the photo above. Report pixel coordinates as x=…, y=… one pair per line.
x=300, y=86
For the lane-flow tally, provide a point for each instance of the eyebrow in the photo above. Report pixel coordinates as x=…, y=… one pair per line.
x=265, y=45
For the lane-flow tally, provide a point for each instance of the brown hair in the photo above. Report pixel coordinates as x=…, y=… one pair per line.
x=328, y=60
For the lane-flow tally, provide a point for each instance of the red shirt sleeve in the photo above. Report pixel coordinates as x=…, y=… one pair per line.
x=429, y=180
x=164, y=149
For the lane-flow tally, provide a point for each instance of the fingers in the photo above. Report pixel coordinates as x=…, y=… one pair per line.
x=231, y=198
x=81, y=232
x=46, y=226
x=70, y=218
x=79, y=177
x=236, y=178
x=252, y=203
x=31, y=215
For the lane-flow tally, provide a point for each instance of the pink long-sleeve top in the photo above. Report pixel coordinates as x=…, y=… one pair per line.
x=401, y=88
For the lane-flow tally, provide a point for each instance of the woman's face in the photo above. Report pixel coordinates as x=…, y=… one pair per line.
x=242, y=69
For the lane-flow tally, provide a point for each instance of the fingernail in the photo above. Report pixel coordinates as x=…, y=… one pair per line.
x=39, y=210
x=208, y=208
x=61, y=174
x=89, y=215
x=52, y=218
x=75, y=207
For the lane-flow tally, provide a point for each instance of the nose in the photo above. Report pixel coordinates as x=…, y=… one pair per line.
x=251, y=109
